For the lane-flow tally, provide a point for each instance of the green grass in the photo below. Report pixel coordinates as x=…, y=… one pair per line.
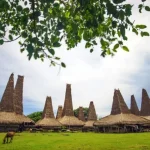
x=77, y=141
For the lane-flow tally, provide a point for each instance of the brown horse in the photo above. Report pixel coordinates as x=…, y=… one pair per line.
x=7, y=136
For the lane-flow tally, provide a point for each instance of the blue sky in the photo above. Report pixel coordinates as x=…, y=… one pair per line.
x=93, y=78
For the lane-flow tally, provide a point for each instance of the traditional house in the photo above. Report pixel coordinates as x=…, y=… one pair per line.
x=11, y=106
x=68, y=119
x=91, y=117
x=120, y=119
x=48, y=120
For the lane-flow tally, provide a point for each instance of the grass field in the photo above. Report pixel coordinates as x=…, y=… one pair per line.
x=77, y=141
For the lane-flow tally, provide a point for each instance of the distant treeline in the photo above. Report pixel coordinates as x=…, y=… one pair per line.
x=35, y=116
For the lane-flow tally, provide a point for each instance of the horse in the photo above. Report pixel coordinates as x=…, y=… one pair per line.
x=7, y=136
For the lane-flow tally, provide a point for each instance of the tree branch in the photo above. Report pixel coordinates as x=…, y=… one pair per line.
x=14, y=39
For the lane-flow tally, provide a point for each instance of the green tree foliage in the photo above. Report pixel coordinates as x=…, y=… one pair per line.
x=35, y=116
x=41, y=26
x=85, y=110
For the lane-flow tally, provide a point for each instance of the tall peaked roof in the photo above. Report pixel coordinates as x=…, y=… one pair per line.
x=134, y=108
x=18, y=95
x=68, y=108
x=145, y=105
x=59, y=112
x=119, y=106
x=7, y=104
x=48, y=109
x=48, y=120
x=120, y=114
x=81, y=114
x=92, y=112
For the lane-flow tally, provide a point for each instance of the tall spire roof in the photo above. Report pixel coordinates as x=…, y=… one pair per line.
x=119, y=106
x=145, y=105
x=18, y=95
x=92, y=112
x=7, y=104
x=59, y=112
x=134, y=108
x=81, y=114
x=68, y=108
x=48, y=109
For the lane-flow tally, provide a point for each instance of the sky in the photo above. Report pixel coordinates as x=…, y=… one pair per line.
x=92, y=77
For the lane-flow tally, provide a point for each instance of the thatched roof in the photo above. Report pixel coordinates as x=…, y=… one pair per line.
x=134, y=108
x=119, y=105
x=89, y=124
x=145, y=105
x=59, y=112
x=48, y=118
x=7, y=104
x=71, y=121
x=68, y=107
x=92, y=112
x=68, y=118
x=91, y=115
x=120, y=113
x=18, y=95
x=146, y=117
x=81, y=114
x=13, y=118
x=48, y=109
x=49, y=122
x=121, y=119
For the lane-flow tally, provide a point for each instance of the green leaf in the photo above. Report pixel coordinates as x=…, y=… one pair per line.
x=104, y=43
x=88, y=44
x=91, y=50
x=1, y=41
x=10, y=37
x=122, y=31
x=135, y=31
x=24, y=34
x=94, y=42
x=147, y=8
x=144, y=34
x=114, y=24
x=19, y=8
x=120, y=42
x=57, y=58
x=118, y=1
x=52, y=51
x=116, y=46
x=125, y=48
x=121, y=15
x=30, y=50
x=141, y=26
x=56, y=44
x=63, y=65
x=67, y=14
